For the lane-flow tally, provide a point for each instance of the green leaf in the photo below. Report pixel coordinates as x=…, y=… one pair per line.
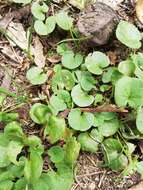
x=80, y=121
x=13, y=130
x=71, y=61
x=109, y=128
x=139, y=166
x=98, y=99
x=41, y=28
x=33, y=167
x=62, y=48
x=8, y=117
x=108, y=73
x=72, y=149
x=20, y=184
x=87, y=81
x=96, y=61
x=36, y=76
x=39, y=113
x=4, y=161
x=55, y=129
x=80, y=97
x=22, y=1
x=138, y=63
x=62, y=78
x=96, y=135
x=56, y=154
x=39, y=11
x=87, y=143
x=139, y=119
x=129, y=91
x=64, y=21
x=112, y=144
x=6, y=185
x=57, y=104
x=50, y=24
x=126, y=67
x=129, y=35
x=13, y=149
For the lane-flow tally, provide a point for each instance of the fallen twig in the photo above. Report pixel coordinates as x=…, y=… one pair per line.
x=99, y=109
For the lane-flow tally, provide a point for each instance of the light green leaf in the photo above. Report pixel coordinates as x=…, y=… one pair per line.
x=41, y=28
x=96, y=135
x=139, y=119
x=129, y=35
x=80, y=97
x=138, y=63
x=22, y=1
x=57, y=104
x=80, y=121
x=56, y=154
x=36, y=76
x=96, y=61
x=72, y=149
x=55, y=129
x=109, y=128
x=39, y=11
x=4, y=161
x=13, y=131
x=129, y=91
x=139, y=166
x=20, y=184
x=87, y=81
x=13, y=149
x=64, y=21
x=87, y=143
x=33, y=167
x=39, y=113
x=6, y=185
x=50, y=24
x=71, y=61
x=126, y=67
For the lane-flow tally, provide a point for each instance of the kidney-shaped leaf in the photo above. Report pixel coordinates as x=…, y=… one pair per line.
x=129, y=91
x=64, y=21
x=36, y=76
x=80, y=97
x=71, y=61
x=39, y=11
x=87, y=143
x=80, y=121
x=96, y=61
x=56, y=154
x=128, y=34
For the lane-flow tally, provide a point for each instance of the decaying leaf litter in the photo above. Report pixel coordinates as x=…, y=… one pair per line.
x=76, y=80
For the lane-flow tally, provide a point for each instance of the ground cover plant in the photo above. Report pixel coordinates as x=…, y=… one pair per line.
x=93, y=106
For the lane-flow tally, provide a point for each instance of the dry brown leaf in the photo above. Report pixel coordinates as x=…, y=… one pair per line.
x=139, y=10
x=112, y=56
x=39, y=57
x=17, y=35
x=54, y=59
x=137, y=187
x=8, y=51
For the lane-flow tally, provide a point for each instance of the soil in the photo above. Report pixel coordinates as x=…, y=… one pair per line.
x=88, y=175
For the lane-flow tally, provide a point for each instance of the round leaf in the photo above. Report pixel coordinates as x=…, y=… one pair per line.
x=129, y=91
x=71, y=61
x=80, y=121
x=36, y=76
x=64, y=21
x=40, y=28
x=96, y=61
x=128, y=34
x=57, y=103
x=126, y=67
x=80, y=97
x=56, y=154
x=50, y=24
x=39, y=113
x=87, y=143
x=139, y=120
x=39, y=11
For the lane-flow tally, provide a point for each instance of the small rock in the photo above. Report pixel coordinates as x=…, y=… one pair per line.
x=98, y=21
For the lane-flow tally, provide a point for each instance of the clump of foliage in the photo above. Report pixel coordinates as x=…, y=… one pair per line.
x=79, y=84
